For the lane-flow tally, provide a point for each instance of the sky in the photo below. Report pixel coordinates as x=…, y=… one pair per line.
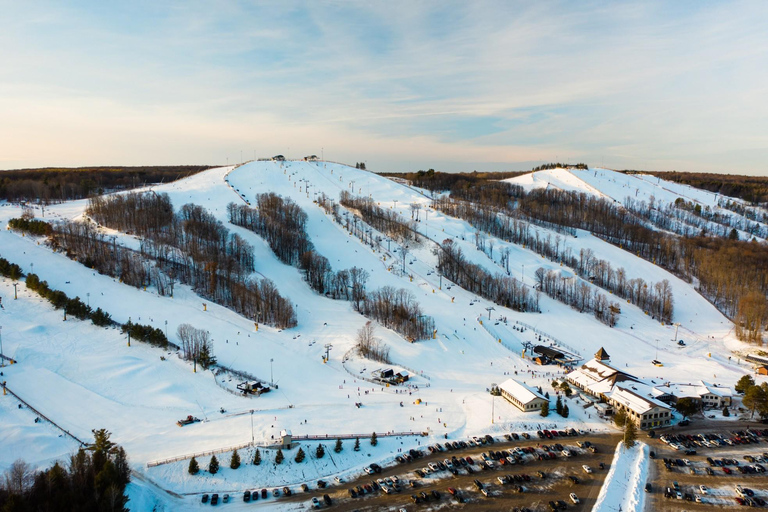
x=401, y=86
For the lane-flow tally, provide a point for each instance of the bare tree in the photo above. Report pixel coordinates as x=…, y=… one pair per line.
x=18, y=477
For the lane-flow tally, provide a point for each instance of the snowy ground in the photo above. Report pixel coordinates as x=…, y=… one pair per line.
x=84, y=377
x=623, y=488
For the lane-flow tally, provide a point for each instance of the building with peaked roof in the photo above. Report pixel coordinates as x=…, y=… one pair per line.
x=646, y=412
x=522, y=396
x=707, y=394
x=643, y=402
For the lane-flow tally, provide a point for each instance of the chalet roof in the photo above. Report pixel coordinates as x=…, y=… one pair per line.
x=521, y=391
x=634, y=401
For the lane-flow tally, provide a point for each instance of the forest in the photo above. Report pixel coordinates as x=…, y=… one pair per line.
x=753, y=189
x=730, y=273
x=92, y=480
x=190, y=247
x=54, y=185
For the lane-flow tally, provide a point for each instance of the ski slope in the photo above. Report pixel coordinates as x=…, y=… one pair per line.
x=84, y=377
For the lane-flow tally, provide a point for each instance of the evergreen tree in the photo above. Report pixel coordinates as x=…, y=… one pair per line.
x=300, y=456
x=545, y=409
x=630, y=434
x=338, y=446
x=357, y=444
x=374, y=441
x=620, y=418
x=744, y=383
x=279, y=457
x=726, y=412
x=257, y=458
x=213, y=466
x=234, y=463
x=565, y=412
x=559, y=405
x=687, y=406
x=547, y=395
x=320, y=452
x=194, y=468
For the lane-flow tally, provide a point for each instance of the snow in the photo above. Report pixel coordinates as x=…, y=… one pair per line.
x=624, y=485
x=84, y=377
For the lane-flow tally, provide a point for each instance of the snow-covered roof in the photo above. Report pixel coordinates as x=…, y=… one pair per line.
x=696, y=389
x=634, y=401
x=520, y=391
x=285, y=432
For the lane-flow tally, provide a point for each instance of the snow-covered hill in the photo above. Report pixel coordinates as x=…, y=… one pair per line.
x=84, y=377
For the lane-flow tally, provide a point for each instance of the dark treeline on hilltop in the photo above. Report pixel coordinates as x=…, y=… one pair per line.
x=53, y=184
x=730, y=273
x=753, y=189
x=438, y=181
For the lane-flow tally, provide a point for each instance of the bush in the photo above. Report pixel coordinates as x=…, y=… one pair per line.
x=338, y=446
x=374, y=441
x=101, y=318
x=11, y=270
x=300, y=456
x=545, y=409
x=320, y=452
x=279, y=458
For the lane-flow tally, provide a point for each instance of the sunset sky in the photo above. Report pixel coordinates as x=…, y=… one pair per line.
x=410, y=85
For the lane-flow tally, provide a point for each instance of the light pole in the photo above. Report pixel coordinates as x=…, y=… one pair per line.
x=2, y=358
x=15, y=294
x=88, y=295
x=166, y=329
x=271, y=377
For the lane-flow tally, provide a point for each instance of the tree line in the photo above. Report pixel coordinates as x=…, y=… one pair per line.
x=753, y=189
x=54, y=185
x=93, y=480
x=191, y=247
x=499, y=288
x=283, y=224
x=656, y=299
x=732, y=274
x=381, y=219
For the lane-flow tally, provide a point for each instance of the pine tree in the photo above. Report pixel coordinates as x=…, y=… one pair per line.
x=194, y=468
x=630, y=434
x=726, y=412
x=257, y=458
x=565, y=412
x=620, y=418
x=559, y=405
x=300, y=455
x=374, y=441
x=234, y=463
x=213, y=466
x=279, y=457
x=545, y=409
x=338, y=446
x=357, y=444
x=320, y=452
x=546, y=395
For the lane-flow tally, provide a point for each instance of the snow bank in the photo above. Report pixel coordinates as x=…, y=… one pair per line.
x=623, y=488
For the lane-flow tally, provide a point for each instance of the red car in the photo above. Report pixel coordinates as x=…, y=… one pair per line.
x=452, y=491
x=727, y=471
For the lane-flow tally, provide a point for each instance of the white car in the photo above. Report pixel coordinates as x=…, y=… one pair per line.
x=485, y=492
x=574, y=498
x=369, y=470
x=433, y=466
x=315, y=503
x=338, y=480
x=703, y=489
x=586, y=468
x=698, y=498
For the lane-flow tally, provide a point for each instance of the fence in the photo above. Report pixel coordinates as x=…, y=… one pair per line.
x=46, y=418
x=272, y=443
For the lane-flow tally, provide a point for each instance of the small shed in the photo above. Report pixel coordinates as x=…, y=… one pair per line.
x=762, y=370
x=286, y=438
x=602, y=355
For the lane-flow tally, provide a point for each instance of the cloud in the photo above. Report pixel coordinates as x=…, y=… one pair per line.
x=399, y=83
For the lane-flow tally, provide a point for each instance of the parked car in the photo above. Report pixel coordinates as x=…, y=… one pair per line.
x=205, y=498
x=214, y=499
x=574, y=498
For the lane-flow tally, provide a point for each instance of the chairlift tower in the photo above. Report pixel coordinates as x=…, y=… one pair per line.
x=328, y=348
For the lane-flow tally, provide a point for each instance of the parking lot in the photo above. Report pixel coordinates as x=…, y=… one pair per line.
x=724, y=459
x=532, y=483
